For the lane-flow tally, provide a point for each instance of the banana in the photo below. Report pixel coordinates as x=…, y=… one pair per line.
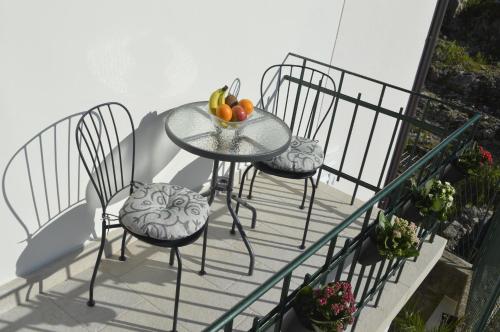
x=217, y=98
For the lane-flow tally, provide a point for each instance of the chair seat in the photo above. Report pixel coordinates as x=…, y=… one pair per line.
x=304, y=155
x=164, y=212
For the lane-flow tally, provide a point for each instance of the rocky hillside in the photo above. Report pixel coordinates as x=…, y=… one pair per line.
x=466, y=67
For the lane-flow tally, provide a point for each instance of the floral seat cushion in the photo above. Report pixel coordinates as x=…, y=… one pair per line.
x=163, y=211
x=303, y=155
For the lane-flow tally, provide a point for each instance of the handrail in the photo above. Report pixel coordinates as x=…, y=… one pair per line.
x=392, y=86
x=311, y=250
x=431, y=128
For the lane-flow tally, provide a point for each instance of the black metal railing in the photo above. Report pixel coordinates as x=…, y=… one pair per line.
x=442, y=144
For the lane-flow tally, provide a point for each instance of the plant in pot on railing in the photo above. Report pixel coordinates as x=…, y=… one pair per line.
x=326, y=309
x=470, y=162
x=396, y=238
x=434, y=200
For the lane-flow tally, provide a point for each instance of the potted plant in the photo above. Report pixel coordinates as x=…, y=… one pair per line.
x=469, y=163
x=327, y=309
x=391, y=239
x=475, y=158
x=434, y=199
x=396, y=238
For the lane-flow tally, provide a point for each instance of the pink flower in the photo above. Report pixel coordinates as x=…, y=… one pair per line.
x=322, y=301
x=329, y=291
x=347, y=297
x=346, y=287
x=337, y=308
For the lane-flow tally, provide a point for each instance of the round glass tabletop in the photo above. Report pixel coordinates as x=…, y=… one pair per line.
x=261, y=137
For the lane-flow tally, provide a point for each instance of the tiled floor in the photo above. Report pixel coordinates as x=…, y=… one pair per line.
x=137, y=295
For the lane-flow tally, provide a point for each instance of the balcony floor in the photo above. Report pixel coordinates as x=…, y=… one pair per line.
x=138, y=295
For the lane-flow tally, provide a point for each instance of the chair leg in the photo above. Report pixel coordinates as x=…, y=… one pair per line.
x=177, y=288
x=305, y=195
x=91, y=301
x=172, y=257
x=124, y=238
x=311, y=202
x=242, y=184
x=251, y=184
x=204, y=250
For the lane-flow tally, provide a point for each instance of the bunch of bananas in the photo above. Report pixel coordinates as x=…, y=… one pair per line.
x=217, y=98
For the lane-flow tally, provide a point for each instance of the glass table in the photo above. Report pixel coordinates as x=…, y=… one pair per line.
x=261, y=137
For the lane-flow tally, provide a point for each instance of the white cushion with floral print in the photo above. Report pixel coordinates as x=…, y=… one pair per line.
x=165, y=212
x=303, y=155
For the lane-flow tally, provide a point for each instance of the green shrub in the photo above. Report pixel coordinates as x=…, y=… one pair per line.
x=451, y=54
x=412, y=321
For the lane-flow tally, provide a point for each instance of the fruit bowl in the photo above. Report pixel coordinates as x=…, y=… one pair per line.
x=227, y=112
x=220, y=123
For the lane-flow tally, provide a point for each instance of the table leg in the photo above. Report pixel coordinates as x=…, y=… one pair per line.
x=248, y=206
x=211, y=195
x=236, y=220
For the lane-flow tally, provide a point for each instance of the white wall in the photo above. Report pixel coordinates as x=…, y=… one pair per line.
x=62, y=57
x=382, y=39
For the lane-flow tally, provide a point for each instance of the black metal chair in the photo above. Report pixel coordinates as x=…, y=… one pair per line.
x=159, y=213
x=302, y=97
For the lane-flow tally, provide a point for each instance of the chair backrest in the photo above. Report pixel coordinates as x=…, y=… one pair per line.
x=106, y=142
x=301, y=96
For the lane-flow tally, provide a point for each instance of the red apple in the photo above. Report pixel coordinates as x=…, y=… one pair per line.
x=239, y=112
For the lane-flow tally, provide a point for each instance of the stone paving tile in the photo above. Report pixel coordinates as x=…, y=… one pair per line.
x=201, y=302
x=144, y=317
x=112, y=297
x=39, y=314
x=136, y=252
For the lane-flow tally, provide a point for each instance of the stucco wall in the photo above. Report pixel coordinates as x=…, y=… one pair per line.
x=59, y=58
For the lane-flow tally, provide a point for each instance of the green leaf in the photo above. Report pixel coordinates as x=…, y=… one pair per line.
x=382, y=221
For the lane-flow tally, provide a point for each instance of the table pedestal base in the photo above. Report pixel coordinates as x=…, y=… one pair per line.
x=225, y=184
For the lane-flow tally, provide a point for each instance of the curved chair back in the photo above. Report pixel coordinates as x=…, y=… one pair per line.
x=107, y=149
x=301, y=96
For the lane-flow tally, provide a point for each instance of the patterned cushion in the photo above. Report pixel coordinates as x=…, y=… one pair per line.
x=303, y=155
x=163, y=211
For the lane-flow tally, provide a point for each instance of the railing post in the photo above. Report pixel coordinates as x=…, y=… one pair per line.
x=255, y=324
x=282, y=304
x=340, y=267
x=370, y=136
x=349, y=133
x=329, y=255
x=229, y=326
x=358, y=249
x=400, y=271
x=385, y=277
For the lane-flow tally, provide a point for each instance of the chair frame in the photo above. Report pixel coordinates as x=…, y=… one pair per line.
x=309, y=131
x=102, y=182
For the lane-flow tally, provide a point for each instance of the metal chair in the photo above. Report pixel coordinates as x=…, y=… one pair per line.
x=302, y=97
x=159, y=213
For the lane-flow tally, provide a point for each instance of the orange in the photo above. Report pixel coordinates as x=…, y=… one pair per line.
x=247, y=105
x=224, y=112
